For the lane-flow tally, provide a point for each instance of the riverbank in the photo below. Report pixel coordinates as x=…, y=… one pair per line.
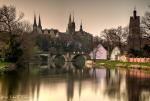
x=114, y=64
x=4, y=66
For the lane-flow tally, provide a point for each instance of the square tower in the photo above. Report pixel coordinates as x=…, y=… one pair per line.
x=135, y=36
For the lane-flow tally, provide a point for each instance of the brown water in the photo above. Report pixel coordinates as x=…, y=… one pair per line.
x=98, y=85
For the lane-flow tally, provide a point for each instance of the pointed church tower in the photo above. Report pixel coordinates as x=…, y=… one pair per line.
x=81, y=29
x=34, y=24
x=70, y=19
x=39, y=25
x=71, y=26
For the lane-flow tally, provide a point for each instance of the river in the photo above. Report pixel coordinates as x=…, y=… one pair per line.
x=81, y=85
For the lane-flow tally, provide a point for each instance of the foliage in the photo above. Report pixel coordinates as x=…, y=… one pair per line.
x=13, y=51
x=135, y=53
x=113, y=37
x=8, y=19
x=43, y=42
x=27, y=46
x=11, y=23
x=145, y=25
x=147, y=49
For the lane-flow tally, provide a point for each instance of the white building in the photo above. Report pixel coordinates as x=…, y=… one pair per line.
x=99, y=53
x=115, y=54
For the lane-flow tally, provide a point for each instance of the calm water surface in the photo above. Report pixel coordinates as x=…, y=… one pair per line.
x=90, y=85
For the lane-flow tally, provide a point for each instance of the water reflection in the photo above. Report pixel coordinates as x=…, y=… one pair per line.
x=81, y=85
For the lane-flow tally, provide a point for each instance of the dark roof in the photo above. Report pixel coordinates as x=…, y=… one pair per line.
x=55, y=30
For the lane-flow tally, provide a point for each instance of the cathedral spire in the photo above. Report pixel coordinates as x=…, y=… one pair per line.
x=81, y=29
x=35, y=24
x=39, y=25
x=70, y=19
x=73, y=17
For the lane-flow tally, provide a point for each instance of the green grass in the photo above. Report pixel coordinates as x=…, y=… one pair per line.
x=3, y=65
x=113, y=64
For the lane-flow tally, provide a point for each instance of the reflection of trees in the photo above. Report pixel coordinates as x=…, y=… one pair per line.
x=113, y=81
x=79, y=75
x=136, y=85
x=16, y=87
x=80, y=83
x=35, y=87
x=10, y=85
x=70, y=87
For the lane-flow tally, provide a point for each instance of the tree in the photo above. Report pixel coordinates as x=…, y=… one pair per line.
x=11, y=24
x=27, y=46
x=114, y=37
x=145, y=25
x=147, y=50
x=13, y=51
x=135, y=53
x=8, y=19
x=43, y=42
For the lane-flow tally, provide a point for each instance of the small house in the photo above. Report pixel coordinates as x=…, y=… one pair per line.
x=99, y=53
x=115, y=54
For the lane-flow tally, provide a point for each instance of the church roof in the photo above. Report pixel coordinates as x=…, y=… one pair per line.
x=55, y=30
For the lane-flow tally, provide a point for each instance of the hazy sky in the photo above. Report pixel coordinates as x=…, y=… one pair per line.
x=96, y=15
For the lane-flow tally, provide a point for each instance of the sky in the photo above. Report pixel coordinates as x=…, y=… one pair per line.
x=96, y=15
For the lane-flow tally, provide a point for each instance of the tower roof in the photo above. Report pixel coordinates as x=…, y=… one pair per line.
x=39, y=21
x=35, y=24
x=70, y=19
x=81, y=29
x=73, y=17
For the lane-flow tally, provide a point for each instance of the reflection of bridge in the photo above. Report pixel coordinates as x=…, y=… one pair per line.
x=62, y=59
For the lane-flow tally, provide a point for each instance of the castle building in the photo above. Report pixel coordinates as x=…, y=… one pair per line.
x=135, y=36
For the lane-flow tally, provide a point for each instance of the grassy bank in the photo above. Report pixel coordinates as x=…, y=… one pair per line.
x=3, y=66
x=114, y=64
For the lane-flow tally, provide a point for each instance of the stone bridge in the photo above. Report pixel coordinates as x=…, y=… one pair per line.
x=63, y=60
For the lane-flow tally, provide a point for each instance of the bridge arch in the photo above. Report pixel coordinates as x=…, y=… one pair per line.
x=79, y=61
x=59, y=60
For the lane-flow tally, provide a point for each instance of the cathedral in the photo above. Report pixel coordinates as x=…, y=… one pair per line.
x=80, y=39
